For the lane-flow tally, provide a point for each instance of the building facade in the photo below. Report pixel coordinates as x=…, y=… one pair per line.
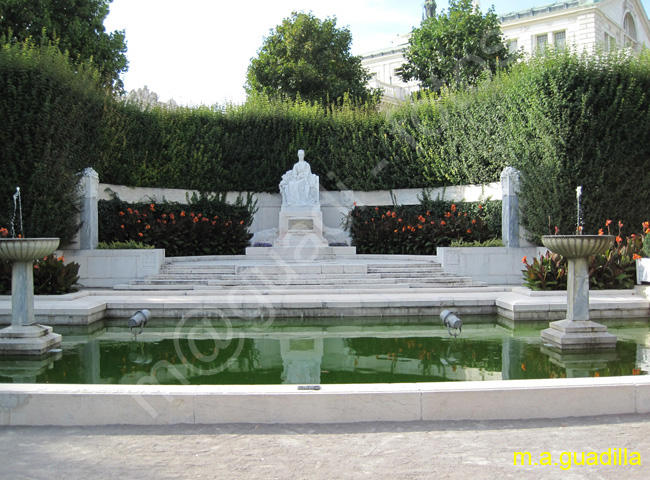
x=584, y=24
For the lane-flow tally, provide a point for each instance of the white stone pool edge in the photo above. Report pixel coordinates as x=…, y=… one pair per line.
x=86, y=405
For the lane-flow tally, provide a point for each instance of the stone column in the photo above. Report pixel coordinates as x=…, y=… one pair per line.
x=89, y=233
x=510, y=207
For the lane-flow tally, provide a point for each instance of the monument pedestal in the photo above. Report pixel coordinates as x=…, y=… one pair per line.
x=301, y=227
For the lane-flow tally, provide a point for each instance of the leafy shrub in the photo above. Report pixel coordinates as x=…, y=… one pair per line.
x=409, y=230
x=492, y=242
x=128, y=245
x=614, y=269
x=205, y=226
x=547, y=273
x=52, y=276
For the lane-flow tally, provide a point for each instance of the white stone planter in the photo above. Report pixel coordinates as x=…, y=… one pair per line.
x=643, y=271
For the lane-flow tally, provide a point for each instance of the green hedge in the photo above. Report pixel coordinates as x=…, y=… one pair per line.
x=50, y=112
x=249, y=147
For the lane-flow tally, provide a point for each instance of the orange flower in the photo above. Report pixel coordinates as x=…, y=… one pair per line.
x=636, y=256
x=61, y=258
x=608, y=223
x=523, y=260
x=443, y=223
x=480, y=207
x=394, y=215
x=618, y=239
x=195, y=220
x=147, y=227
x=620, y=224
x=36, y=267
x=600, y=232
x=597, y=374
x=473, y=221
x=469, y=231
x=4, y=232
x=636, y=371
x=171, y=216
x=523, y=367
x=121, y=214
x=122, y=227
x=182, y=213
x=453, y=207
x=242, y=222
x=140, y=234
x=151, y=207
x=130, y=212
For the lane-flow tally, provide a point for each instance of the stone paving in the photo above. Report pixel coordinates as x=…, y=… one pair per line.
x=410, y=450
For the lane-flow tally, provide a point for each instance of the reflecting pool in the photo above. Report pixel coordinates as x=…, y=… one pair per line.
x=384, y=350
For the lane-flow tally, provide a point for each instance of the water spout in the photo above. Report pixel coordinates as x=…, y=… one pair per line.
x=18, y=206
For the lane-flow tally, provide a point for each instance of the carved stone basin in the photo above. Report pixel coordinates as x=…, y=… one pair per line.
x=574, y=246
x=27, y=249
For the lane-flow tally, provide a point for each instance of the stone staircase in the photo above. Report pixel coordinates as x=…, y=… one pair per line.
x=299, y=277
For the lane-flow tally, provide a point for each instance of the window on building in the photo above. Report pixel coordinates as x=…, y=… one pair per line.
x=513, y=46
x=610, y=43
x=541, y=41
x=630, y=26
x=559, y=39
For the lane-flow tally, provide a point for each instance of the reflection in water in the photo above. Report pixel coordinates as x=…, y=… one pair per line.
x=314, y=355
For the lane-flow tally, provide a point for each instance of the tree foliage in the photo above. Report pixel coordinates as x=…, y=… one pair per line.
x=456, y=48
x=77, y=26
x=308, y=58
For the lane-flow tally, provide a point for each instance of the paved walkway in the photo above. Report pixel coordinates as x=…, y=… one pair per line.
x=451, y=450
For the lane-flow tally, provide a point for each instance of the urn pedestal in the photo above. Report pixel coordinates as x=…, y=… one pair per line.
x=577, y=332
x=25, y=336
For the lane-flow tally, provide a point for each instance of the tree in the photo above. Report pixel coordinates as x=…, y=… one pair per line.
x=77, y=26
x=309, y=58
x=456, y=48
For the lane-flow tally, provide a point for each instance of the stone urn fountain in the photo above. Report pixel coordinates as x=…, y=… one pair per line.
x=577, y=332
x=25, y=336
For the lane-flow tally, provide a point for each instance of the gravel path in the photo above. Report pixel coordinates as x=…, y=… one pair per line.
x=421, y=450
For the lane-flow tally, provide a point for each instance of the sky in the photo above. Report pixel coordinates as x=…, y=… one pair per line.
x=198, y=51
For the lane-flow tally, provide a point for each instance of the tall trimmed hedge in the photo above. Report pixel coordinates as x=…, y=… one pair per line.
x=564, y=120
x=249, y=147
x=50, y=112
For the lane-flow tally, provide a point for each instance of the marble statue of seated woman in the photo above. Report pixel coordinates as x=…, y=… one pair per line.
x=299, y=187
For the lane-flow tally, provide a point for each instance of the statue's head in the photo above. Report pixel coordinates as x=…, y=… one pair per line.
x=301, y=155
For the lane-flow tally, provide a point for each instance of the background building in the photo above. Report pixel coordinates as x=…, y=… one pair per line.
x=585, y=24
